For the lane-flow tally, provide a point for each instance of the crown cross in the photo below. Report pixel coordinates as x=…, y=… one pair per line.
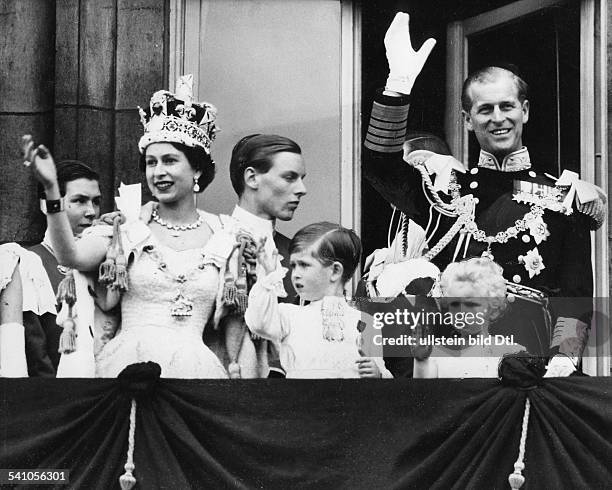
x=175, y=118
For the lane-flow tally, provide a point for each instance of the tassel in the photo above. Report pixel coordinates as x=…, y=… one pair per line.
x=235, y=330
x=108, y=268
x=66, y=293
x=67, y=340
x=66, y=290
x=234, y=370
x=515, y=479
x=121, y=282
x=242, y=296
x=127, y=480
x=242, y=293
x=229, y=289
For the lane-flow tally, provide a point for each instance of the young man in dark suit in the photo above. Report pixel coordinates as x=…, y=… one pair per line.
x=267, y=173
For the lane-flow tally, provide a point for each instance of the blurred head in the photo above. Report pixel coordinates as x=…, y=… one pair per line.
x=323, y=257
x=421, y=140
x=80, y=189
x=267, y=172
x=477, y=286
x=495, y=107
x=172, y=169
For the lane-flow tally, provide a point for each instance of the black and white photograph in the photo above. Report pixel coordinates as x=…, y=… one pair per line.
x=314, y=244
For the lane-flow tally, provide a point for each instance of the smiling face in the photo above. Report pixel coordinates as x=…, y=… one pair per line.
x=497, y=115
x=312, y=279
x=169, y=174
x=82, y=203
x=279, y=190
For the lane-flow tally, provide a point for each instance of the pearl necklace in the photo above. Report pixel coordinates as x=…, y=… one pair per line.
x=176, y=229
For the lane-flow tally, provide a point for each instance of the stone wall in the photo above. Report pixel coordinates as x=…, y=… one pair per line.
x=73, y=72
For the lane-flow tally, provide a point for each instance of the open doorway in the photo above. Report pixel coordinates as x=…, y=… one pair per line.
x=545, y=47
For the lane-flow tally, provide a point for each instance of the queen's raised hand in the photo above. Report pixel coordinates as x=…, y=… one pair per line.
x=39, y=159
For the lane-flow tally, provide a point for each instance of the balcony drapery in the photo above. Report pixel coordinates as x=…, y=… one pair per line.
x=310, y=433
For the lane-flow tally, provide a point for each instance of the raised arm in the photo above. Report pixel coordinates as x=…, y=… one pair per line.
x=86, y=254
x=264, y=316
x=395, y=180
x=405, y=64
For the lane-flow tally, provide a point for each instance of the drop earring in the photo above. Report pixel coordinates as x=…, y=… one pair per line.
x=196, y=186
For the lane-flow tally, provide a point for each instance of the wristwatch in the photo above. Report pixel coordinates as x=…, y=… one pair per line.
x=52, y=206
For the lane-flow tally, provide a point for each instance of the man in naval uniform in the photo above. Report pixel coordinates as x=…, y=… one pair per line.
x=536, y=228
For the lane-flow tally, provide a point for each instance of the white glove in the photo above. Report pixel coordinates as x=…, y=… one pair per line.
x=405, y=63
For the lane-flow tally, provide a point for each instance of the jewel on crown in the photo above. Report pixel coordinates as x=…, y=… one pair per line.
x=176, y=118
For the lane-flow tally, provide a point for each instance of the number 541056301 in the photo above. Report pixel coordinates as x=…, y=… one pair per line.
x=40, y=476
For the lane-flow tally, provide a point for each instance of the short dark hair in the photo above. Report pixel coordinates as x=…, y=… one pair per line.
x=334, y=243
x=197, y=157
x=488, y=74
x=69, y=170
x=257, y=150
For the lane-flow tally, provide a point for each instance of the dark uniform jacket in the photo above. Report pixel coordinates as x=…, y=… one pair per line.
x=565, y=253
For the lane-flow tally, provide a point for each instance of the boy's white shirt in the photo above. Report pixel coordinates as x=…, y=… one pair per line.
x=265, y=317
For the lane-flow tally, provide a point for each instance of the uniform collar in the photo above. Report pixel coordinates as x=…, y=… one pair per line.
x=261, y=226
x=513, y=162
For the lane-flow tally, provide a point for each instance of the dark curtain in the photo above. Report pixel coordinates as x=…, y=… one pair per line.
x=310, y=434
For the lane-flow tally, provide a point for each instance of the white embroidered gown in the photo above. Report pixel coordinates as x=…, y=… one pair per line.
x=149, y=331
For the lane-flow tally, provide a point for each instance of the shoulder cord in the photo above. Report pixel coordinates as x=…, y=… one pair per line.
x=390, y=227
x=445, y=240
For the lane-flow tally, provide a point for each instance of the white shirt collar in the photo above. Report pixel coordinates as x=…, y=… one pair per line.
x=261, y=226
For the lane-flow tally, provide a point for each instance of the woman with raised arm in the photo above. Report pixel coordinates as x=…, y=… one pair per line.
x=170, y=269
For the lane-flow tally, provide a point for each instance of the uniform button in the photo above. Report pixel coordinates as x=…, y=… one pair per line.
x=473, y=185
x=474, y=171
x=532, y=174
x=526, y=238
x=511, y=298
x=516, y=278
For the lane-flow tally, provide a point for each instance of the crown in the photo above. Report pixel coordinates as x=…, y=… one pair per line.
x=175, y=118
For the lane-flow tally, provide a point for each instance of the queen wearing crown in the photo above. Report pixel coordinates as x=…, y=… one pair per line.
x=167, y=272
